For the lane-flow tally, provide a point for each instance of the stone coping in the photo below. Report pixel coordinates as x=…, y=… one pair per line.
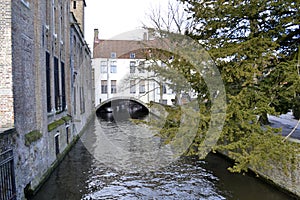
x=4, y=131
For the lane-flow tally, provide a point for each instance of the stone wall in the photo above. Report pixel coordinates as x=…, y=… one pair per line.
x=31, y=39
x=29, y=160
x=283, y=177
x=41, y=138
x=82, y=89
x=23, y=58
x=288, y=179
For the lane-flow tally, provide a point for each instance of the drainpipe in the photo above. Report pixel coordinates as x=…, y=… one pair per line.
x=148, y=89
x=107, y=78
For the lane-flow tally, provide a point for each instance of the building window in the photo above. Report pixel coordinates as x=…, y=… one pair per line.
x=93, y=79
x=48, y=13
x=67, y=134
x=75, y=101
x=113, y=55
x=48, y=82
x=74, y=4
x=164, y=88
x=113, y=86
x=103, y=67
x=56, y=85
x=132, y=67
x=141, y=67
x=132, y=87
x=82, y=100
x=56, y=139
x=62, y=25
x=132, y=55
x=142, y=87
x=104, y=86
x=55, y=21
x=63, y=87
x=113, y=67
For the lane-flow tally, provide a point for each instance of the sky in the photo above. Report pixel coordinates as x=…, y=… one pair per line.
x=114, y=17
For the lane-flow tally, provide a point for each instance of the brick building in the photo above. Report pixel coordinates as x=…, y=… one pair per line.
x=6, y=86
x=46, y=83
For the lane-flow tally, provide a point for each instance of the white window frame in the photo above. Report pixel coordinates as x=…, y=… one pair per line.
x=132, y=87
x=103, y=67
x=142, y=87
x=113, y=67
x=113, y=88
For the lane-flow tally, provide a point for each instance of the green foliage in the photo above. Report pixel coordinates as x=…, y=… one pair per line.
x=58, y=123
x=66, y=118
x=168, y=130
x=55, y=124
x=254, y=45
x=282, y=84
x=296, y=107
x=32, y=137
x=225, y=23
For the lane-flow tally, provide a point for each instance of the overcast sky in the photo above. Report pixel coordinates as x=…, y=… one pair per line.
x=113, y=17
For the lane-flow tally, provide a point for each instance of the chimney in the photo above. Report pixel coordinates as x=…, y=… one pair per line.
x=145, y=36
x=96, y=33
x=96, y=38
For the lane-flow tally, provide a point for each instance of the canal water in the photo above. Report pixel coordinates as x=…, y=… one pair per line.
x=88, y=174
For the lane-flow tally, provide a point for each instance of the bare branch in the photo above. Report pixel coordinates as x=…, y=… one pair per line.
x=173, y=19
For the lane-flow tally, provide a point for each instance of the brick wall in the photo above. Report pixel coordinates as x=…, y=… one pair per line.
x=28, y=29
x=78, y=11
x=6, y=86
x=23, y=64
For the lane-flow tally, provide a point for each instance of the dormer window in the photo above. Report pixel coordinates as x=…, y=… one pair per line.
x=132, y=55
x=113, y=55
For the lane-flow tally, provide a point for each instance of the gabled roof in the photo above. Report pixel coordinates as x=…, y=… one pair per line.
x=122, y=48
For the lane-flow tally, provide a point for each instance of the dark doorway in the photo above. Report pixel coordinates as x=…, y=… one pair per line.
x=57, y=144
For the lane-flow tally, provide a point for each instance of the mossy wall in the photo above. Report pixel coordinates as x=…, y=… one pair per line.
x=32, y=136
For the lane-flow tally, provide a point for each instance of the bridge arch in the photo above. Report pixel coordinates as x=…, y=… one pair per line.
x=131, y=104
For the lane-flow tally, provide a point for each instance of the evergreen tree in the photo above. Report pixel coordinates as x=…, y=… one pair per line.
x=254, y=44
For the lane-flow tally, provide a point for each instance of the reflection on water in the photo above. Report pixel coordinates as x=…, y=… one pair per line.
x=124, y=145
x=82, y=176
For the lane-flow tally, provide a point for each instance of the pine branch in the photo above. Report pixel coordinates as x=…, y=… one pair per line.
x=291, y=131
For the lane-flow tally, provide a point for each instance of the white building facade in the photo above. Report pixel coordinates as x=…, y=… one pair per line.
x=118, y=72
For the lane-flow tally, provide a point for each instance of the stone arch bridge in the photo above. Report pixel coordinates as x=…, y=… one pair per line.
x=116, y=104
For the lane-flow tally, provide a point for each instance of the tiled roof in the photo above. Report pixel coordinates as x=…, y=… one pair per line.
x=122, y=48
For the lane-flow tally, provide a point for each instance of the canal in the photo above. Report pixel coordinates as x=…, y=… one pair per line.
x=109, y=162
